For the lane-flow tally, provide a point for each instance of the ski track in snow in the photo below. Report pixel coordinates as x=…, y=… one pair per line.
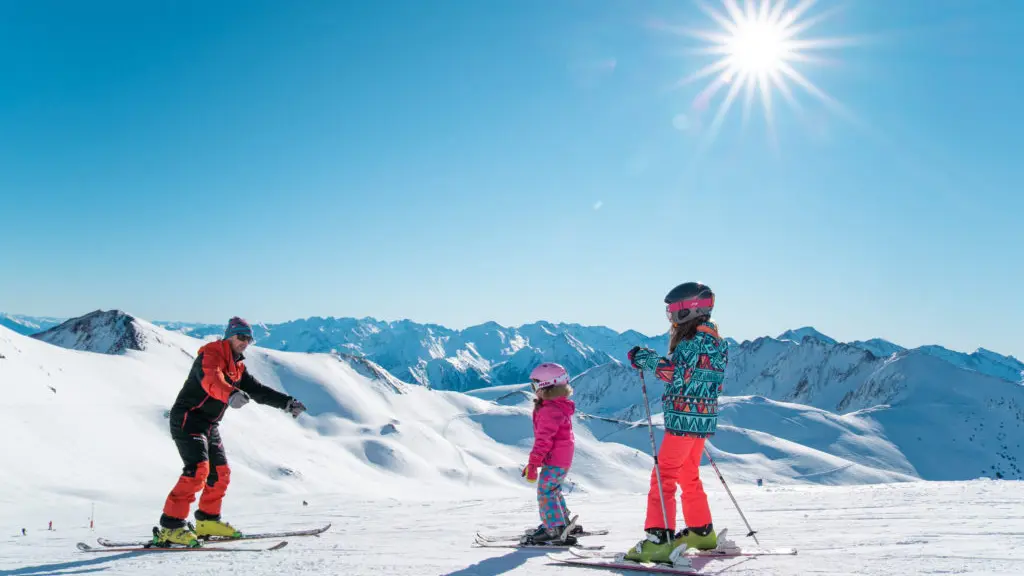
x=972, y=527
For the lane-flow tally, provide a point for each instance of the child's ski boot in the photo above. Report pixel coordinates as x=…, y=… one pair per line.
x=576, y=530
x=656, y=547
x=544, y=537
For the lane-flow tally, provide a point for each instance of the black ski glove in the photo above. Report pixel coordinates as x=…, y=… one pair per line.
x=238, y=399
x=294, y=407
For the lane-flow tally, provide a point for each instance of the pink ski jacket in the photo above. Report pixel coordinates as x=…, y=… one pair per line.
x=553, y=440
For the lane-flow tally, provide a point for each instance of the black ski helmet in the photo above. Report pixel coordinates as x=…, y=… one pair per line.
x=688, y=301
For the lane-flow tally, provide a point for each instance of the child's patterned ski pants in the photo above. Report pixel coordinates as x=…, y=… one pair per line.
x=549, y=497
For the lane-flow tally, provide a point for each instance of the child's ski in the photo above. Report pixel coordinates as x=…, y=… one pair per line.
x=213, y=539
x=518, y=542
x=513, y=536
x=212, y=548
x=553, y=546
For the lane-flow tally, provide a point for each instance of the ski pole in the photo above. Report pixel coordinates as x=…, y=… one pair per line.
x=729, y=492
x=654, y=453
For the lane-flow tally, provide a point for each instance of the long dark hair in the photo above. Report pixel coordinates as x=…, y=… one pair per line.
x=685, y=331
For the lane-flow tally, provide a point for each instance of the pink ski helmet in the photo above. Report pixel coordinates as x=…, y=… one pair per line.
x=548, y=374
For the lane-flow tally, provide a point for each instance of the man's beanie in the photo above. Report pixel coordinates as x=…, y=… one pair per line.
x=237, y=326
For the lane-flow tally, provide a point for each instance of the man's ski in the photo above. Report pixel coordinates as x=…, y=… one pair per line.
x=612, y=564
x=213, y=539
x=211, y=548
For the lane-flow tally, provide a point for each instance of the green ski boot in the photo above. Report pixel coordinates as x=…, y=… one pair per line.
x=700, y=537
x=207, y=528
x=656, y=547
x=184, y=536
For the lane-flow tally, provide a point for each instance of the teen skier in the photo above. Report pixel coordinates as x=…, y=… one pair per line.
x=693, y=374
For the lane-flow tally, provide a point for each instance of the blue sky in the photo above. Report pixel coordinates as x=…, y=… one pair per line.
x=463, y=161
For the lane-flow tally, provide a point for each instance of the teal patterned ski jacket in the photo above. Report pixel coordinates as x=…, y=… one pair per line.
x=693, y=380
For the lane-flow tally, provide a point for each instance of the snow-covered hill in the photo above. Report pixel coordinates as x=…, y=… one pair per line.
x=365, y=429
x=916, y=412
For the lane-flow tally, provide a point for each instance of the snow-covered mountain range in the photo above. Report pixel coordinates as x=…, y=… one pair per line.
x=811, y=407
x=28, y=324
x=491, y=354
x=432, y=355
x=948, y=413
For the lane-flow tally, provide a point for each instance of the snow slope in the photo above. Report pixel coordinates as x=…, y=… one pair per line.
x=759, y=438
x=913, y=413
x=365, y=430
x=935, y=528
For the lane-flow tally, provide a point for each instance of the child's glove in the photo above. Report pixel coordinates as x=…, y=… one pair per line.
x=530, y=473
x=631, y=354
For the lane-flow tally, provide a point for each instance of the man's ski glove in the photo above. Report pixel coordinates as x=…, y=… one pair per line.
x=238, y=399
x=294, y=407
x=530, y=473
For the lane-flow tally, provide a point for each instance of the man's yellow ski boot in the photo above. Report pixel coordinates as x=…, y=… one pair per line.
x=184, y=536
x=215, y=528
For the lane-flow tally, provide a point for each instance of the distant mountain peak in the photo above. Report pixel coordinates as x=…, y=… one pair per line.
x=102, y=331
x=799, y=334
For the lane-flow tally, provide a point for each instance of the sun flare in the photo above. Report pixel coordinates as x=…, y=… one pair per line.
x=758, y=48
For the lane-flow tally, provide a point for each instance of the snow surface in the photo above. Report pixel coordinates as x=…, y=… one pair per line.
x=407, y=473
x=969, y=528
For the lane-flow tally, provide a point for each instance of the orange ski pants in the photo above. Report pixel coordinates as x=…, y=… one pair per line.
x=679, y=465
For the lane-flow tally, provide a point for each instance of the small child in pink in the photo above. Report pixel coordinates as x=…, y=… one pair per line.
x=553, y=449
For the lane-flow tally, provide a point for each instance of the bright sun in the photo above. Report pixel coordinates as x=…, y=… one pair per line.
x=757, y=48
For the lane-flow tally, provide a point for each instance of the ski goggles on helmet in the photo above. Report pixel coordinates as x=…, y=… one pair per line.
x=678, y=312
